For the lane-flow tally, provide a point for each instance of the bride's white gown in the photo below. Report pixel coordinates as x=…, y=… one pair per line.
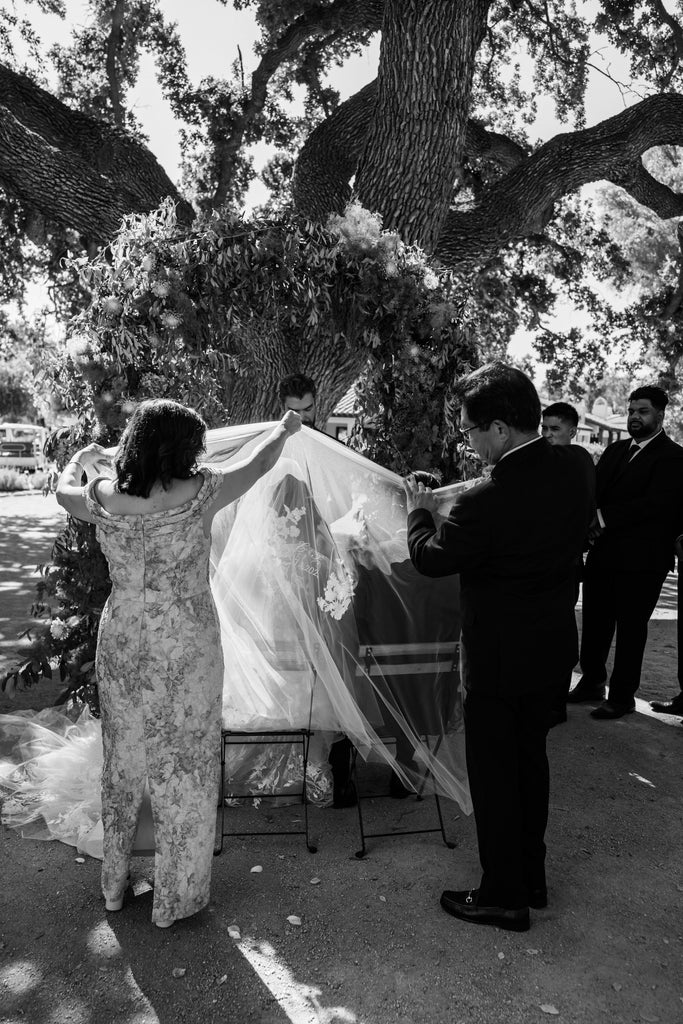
x=309, y=570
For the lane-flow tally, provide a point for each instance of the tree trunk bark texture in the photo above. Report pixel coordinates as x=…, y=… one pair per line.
x=252, y=396
x=80, y=172
x=416, y=137
x=329, y=157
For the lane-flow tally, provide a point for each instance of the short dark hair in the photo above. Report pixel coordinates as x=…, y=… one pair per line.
x=657, y=396
x=295, y=386
x=497, y=391
x=161, y=442
x=563, y=411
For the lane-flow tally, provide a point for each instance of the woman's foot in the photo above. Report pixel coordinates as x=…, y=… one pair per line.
x=117, y=903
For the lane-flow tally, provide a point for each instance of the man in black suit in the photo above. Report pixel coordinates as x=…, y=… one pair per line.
x=514, y=540
x=559, y=426
x=639, y=501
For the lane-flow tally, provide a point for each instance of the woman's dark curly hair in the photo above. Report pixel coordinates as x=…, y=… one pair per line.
x=161, y=442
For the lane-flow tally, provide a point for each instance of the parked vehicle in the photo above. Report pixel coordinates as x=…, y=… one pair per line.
x=21, y=446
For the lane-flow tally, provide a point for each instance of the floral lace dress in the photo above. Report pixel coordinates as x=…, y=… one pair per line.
x=160, y=675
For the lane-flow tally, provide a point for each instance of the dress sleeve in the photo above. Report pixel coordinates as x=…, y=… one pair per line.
x=213, y=478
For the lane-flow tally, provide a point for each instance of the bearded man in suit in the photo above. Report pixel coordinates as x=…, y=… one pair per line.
x=514, y=539
x=639, y=504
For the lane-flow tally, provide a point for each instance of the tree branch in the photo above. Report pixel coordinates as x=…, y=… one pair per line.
x=523, y=201
x=345, y=14
x=75, y=170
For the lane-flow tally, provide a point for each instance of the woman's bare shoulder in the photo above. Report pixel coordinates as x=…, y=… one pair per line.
x=159, y=500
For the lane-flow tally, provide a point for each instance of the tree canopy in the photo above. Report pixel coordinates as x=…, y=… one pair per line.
x=439, y=145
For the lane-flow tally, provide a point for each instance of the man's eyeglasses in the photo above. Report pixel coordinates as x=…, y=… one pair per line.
x=466, y=430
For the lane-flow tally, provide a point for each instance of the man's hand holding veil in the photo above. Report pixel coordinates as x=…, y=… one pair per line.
x=419, y=496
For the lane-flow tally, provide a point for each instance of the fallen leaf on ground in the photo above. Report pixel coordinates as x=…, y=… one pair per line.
x=315, y=881
x=634, y=775
x=549, y=1008
x=383, y=899
x=616, y=986
x=293, y=919
x=80, y=860
x=179, y=972
x=256, y=869
x=501, y=956
x=222, y=981
x=234, y=932
x=532, y=952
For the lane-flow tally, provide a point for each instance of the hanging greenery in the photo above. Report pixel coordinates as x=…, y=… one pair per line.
x=193, y=315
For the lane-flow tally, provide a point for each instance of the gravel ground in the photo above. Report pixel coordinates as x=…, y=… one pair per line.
x=372, y=945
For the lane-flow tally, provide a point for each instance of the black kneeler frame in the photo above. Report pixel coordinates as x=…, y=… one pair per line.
x=434, y=658
x=273, y=737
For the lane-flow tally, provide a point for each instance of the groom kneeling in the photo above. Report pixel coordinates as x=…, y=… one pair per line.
x=514, y=539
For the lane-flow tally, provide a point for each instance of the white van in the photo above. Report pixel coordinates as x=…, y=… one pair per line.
x=21, y=446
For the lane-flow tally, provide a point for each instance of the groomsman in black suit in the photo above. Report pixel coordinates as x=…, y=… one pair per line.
x=559, y=426
x=639, y=506
x=514, y=540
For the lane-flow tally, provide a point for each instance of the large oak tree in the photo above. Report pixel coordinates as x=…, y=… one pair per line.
x=437, y=144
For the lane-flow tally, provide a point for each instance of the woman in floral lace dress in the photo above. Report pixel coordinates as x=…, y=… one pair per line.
x=159, y=661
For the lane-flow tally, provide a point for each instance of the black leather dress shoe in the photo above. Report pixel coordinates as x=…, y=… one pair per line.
x=608, y=710
x=464, y=905
x=668, y=707
x=585, y=692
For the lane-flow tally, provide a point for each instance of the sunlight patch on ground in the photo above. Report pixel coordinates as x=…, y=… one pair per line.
x=76, y=1011
x=20, y=977
x=101, y=941
x=300, y=1002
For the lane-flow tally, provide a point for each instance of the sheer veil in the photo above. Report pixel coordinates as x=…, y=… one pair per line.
x=325, y=624
x=324, y=620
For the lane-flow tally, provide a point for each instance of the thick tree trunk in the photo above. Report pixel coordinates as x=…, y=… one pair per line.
x=329, y=156
x=417, y=134
x=252, y=396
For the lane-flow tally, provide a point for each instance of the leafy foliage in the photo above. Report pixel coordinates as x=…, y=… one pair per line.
x=77, y=578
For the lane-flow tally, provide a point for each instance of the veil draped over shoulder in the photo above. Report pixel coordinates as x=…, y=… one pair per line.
x=325, y=625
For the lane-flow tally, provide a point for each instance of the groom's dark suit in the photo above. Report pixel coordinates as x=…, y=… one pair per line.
x=514, y=540
x=641, y=502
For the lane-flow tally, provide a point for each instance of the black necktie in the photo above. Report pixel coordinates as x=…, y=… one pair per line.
x=632, y=452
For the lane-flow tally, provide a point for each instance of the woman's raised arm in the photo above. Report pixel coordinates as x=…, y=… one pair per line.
x=239, y=478
x=91, y=461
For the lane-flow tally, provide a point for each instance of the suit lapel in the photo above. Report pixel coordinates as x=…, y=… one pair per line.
x=624, y=465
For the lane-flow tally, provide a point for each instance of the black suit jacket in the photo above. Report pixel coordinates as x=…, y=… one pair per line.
x=641, y=503
x=515, y=540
